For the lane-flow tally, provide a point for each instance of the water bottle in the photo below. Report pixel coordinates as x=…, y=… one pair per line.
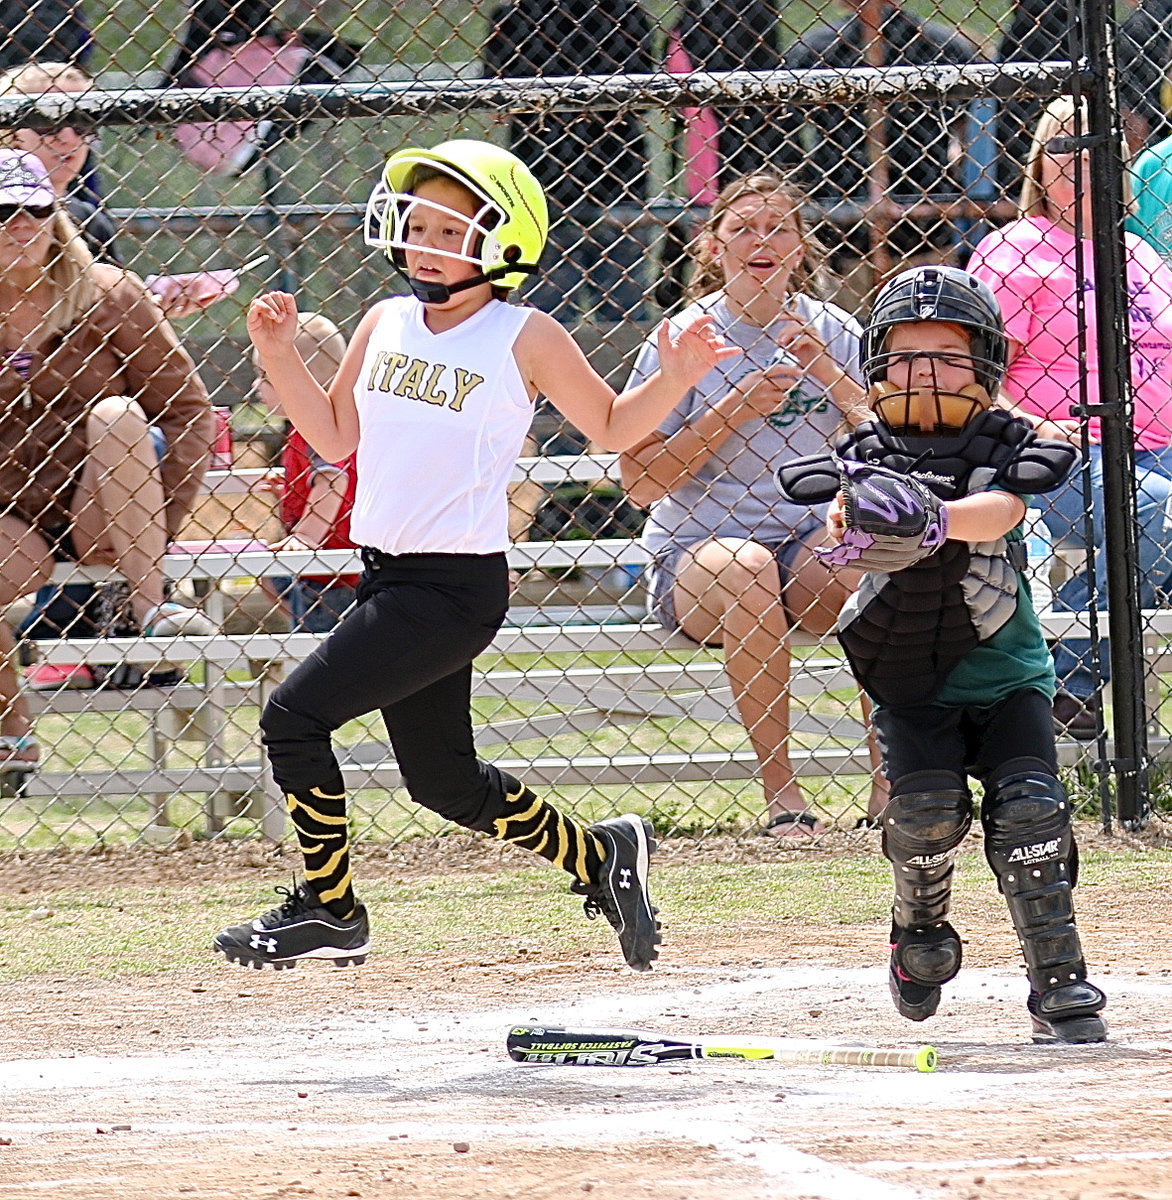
x=221, y=459
x=1039, y=556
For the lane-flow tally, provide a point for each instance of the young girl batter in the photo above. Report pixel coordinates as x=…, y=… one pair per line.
x=436, y=393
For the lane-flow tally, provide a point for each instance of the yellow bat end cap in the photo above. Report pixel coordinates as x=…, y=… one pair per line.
x=927, y=1059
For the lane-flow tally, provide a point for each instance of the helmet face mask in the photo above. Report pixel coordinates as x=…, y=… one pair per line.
x=388, y=218
x=505, y=236
x=934, y=294
x=923, y=412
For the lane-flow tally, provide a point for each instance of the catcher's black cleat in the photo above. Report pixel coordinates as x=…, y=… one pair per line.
x=1068, y=1014
x=921, y=960
x=621, y=894
x=297, y=929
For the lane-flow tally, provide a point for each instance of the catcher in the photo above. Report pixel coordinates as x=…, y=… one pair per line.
x=942, y=634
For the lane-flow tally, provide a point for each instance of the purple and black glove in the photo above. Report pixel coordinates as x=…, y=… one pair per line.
x=892, y=520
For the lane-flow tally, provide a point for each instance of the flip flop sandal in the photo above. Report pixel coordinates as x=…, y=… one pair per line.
x=15, y=772
x=782, y=820
x=13, y=748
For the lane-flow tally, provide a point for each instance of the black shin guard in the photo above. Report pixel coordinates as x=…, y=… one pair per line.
x=926, y=819
x=1030, y=846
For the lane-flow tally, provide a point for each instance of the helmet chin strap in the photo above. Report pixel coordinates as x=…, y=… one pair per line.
x=438, y=293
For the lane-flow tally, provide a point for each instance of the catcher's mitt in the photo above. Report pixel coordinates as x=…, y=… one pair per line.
x=892, y=520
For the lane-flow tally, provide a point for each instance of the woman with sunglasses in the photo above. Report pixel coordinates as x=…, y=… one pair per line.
x=67, y=152
x=87, y=363
x=1031, y=266
x=733, y=565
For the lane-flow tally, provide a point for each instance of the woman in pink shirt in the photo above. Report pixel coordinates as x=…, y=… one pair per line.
x=1030, y=265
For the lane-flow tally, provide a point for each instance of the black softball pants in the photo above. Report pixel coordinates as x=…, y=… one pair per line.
x=973, y=740
x=406, y=650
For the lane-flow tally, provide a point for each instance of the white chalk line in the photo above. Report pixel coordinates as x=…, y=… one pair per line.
x=707, y=1127
x=44, y=1185
x=697, y=1124
x=1042, y=1160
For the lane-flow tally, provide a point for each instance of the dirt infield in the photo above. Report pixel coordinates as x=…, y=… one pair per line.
x=390, y=1080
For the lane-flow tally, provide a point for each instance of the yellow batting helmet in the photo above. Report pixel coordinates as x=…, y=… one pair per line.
x=507, y=234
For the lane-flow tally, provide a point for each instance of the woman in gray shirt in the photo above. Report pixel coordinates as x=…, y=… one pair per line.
x=732, y=562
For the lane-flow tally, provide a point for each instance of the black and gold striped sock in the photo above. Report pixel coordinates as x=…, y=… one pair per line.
x=319, y=817
x=532, y=823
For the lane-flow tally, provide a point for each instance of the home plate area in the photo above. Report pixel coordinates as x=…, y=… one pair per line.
x=312, y=1099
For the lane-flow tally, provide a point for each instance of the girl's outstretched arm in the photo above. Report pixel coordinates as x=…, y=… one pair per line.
x=328, y=420
x=552, y=363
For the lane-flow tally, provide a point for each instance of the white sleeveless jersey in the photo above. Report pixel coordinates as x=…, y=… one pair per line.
x=443, y=417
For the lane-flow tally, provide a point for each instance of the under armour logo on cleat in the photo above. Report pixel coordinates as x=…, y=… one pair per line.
x=625, y=877
x=268, y=945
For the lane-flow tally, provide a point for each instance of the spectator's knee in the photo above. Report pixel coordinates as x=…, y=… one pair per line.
x=118, y=414
x=750, y=575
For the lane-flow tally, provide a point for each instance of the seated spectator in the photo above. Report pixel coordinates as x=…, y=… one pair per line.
x=733, y=564
x=1151, y=175
x=67, y=153
x=316, y=496
x=87, y=364
x=1030, y=265
x=829, y=144
x=244, y=43
x=586, y=162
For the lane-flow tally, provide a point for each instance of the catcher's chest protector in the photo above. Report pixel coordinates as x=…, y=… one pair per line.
x=904, y=632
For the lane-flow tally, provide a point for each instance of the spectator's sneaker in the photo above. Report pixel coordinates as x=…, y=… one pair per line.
x=174, y=620
x=52, y=677
x=621, y=894
x=1068, y=1014
x=299, y=928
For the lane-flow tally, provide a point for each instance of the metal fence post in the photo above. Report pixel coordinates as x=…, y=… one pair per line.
x=1115, y=410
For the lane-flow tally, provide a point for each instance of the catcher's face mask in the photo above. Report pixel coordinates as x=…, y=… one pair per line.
x=930, y=382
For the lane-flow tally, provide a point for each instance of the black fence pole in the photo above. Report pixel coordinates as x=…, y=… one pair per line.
x=1115, y=412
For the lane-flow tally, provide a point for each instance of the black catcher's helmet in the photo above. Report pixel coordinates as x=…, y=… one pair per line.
x=938, y=294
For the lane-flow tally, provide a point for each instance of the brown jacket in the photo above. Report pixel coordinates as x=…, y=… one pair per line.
x=123, y=347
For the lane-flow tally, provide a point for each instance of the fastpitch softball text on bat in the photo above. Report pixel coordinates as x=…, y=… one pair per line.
x=553, y=1045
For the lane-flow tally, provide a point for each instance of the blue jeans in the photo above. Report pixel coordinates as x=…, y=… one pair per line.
x=315, y=606
x=1066, y=521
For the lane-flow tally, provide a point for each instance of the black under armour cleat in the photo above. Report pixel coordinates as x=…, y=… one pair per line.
x=621, y=894
x=921, y=960
x=1068, y=1014
x=299, y=928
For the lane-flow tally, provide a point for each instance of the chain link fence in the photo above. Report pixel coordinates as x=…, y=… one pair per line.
x=217, y=150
